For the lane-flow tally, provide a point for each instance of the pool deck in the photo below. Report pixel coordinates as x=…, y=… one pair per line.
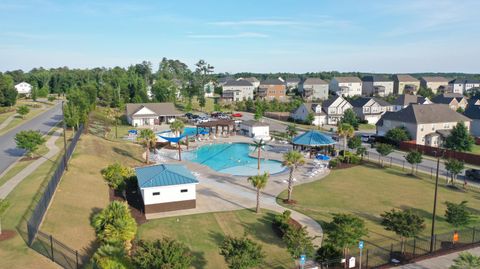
x=223, y=192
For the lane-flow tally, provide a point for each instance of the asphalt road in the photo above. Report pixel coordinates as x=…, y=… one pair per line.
x=43, y=123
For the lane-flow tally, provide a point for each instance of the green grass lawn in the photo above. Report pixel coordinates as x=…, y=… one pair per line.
x=203, y=233
x=367, y=191
x=365, y=126
x=476, y=149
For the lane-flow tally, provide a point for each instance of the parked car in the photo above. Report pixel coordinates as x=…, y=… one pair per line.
x=188, y=115
x=368, y=138
x=237, y=115
x=473, y=174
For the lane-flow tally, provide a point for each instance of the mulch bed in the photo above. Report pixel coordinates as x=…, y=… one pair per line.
x=134, y=201
x=291, y=202
x=7, y=234
x=24, y=159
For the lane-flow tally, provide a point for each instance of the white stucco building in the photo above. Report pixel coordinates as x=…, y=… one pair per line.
x=255, y=129
x=24, y=88
x=147, y=114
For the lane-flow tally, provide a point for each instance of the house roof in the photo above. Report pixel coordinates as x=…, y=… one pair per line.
x=225, y=79
x=313, y=138
x=240, y=82
x=274, y=81
x=406, y=99
x=292, y=80
x=405, y=78
x=164, y=175
x=421, y=114
x=377, y=78
x=360, y=102
x=158, y=108
x=435, y=79
x=314, y=81
x=348, y=79
x=330, y=101
x=254, y=123
x=473, y=111
x=447, y=98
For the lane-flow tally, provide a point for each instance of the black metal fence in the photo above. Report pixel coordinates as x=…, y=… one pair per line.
x=41, y=242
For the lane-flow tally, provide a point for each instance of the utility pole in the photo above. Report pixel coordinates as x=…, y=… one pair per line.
x=64, y=137
x=432, y=243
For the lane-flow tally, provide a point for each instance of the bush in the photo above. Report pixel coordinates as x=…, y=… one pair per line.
x=329, y=254
x=51, y=98
x=281, y=222
x=333, y=163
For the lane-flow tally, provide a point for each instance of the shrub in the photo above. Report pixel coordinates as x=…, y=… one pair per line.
x=333, y=163
x=329, y=254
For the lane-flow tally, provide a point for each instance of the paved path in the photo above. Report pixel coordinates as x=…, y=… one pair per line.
x=44, y=122
x=8, y=186
x=7, y=121
x=442, y=262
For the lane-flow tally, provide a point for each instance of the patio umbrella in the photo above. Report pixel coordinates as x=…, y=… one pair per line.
x=323, y=157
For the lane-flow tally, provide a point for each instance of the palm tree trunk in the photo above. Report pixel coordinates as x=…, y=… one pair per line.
x=179, y=152
x=290, y=185
x=258, y=201
x=258, y=159
x=344, y=145
x=147, y=154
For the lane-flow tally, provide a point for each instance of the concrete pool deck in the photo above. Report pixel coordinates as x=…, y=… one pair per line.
x=223, y=192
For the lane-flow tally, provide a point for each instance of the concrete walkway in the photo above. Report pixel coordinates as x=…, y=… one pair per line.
x=442, y=262
x=223, y=192
x=7, y=121
x=6, y=188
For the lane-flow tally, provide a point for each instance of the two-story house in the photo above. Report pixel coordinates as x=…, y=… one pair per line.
x=292, y=83
x=427, y=124
x=301, y=113
x=314, y=89
x=404, y=100
x=405, y=84
x=377, y=85
x=453, y=100
x=436, y=84
x=370, y=109
x=334, y=108
x=346, y=86
x=237, y=90
x=462, y=86
x=255, y=82
x=473, y=112
x=272, y=89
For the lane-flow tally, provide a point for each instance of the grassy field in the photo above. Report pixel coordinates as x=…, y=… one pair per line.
x=82, y=190
x=203, y=233
x=367, y=191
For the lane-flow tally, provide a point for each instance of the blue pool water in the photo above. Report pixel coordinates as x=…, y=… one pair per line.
x=232, y=159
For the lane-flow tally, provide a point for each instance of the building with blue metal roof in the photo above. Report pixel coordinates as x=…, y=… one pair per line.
x=313, y=141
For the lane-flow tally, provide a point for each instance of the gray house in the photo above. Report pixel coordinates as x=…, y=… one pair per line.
x=473, y=112
x=370, y=109
x=314, y=89
x=377, y=85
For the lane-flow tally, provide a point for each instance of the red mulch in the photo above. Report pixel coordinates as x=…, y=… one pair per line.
x=7, y=234
x=24, y=159
x=291, y=202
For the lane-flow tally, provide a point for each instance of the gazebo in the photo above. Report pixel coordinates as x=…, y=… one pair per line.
x=210, y=125
x=313, y=140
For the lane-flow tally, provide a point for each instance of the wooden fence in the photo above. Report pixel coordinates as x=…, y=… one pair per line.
x=446, y=153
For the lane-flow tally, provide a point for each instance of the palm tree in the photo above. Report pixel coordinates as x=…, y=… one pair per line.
x=259, y=182
x=177, y=128
x=292, y=131
x=466, y=260
x=292, y=160
x=110, y=257
x=259, y=145
x=346, y=131
x=148, y=138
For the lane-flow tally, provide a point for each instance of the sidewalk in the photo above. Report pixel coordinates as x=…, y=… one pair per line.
x=6, y=188
x=442, y=262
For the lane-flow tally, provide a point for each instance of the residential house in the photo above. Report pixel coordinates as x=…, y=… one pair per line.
x=272, y=89
x=404, y=100
x=370, y=109
x=301, y=113
x=292, y=83
x=473, y=112
x=377, y=85
x=427, y=124
x=453, y=100
x=462, y=86
x=24, y=88
x=256, y=129
x=148, y=114
x=346, y=86
x=436, y=84
x=237, y=90
x=405, y=84
x=255, y=82
x=334, y=108
x=314, y=89
x=166, y=187
x=222, y=81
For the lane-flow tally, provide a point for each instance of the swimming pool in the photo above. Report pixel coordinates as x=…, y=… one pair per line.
x=232, y=159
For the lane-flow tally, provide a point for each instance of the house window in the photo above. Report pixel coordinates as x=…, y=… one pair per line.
x=184, y=190
x=156, y=193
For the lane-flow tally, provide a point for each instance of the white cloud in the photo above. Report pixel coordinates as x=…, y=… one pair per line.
x=320, y=21
x=228, y=36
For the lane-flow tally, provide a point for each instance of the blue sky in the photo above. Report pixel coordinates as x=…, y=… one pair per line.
x=235, y=36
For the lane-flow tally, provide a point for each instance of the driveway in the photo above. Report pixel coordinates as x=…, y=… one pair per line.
x=43, y=122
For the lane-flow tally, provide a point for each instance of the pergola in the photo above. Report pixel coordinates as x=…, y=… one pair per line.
x=313, y=140
x=216, y=124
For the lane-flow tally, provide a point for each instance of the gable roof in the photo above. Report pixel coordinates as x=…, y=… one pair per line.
x=348, y=79
x=240, y=82
x=435, y=79
x=330, y=101
x=447, y=98
x=405, y=78
x=274, y=81
x=158, y=108
x=406, y=99
x=314, y=81
x=360, y=102
x=164, y=175
x=377, y=78
x=421, y=114
x=472, y=111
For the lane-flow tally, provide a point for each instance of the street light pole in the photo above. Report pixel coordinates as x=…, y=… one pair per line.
x=434, y=207
x=64, y=137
